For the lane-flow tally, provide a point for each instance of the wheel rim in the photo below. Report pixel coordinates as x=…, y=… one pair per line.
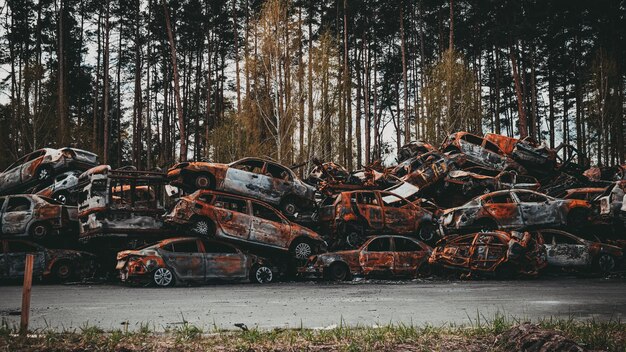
x=607, y=263
x=201, y=227
x=303, y=250
x=202, y=182
x=61, y=198
x=427, y=233
x=43, y=174
x=63, y=271
x=163, y=277
x=263, y=274
x=290, y=208
x=353, y=239
x=39, y=231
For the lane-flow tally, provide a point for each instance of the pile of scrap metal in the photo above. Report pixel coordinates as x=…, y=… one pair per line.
x=476, y=206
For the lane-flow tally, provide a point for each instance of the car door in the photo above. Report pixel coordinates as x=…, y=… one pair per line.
x=399, y=214
x=12, y=176
x=369, y=209
x=249, y=178
x=16, y=258
x=376, y=256
x=408, y=256
x=224, y=261
x=232, y=216
x=487, y=252
x=502, y=207
x=186, y=259
x=537, y=209
x=564, y=250
x=268, y=227
x=16, y=216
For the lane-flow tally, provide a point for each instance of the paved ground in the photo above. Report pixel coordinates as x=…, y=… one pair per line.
x=315, y=305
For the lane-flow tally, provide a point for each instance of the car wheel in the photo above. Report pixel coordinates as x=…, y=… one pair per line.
x=163, y=277
x=426, y=232
x=354, y=239
x=63, y=271
x=39, y=231
x=289, y=207
x=337, y=272
x=43, y=174
x=203, y=181
x=301, y=249
x=424, y=270
x=61, y=197
x=605, y=263
x=261, y=274
x=202, y=227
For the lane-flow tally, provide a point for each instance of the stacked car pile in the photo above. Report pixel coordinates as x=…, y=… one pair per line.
x=490, y=205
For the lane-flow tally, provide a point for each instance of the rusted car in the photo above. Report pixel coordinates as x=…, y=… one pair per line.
x=413, y=149
x=243, y=220
x=190, y=259
x=565, y=250
x=425, y=170
x=251, y=177
x=57, y=264
x=499, y=253
x=612, y=204
x=515, y=209
x=121, y=204
x=35, y=216
x=62, y=188
x=41, y=165
x=606, y=174
x=583, y=193
x=477, y=151
x=351, y=217
x=331, y=178
x=387, y=256
x=466, y=184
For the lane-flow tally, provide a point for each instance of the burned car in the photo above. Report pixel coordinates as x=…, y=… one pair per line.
x=190, y=259
x=353, y=216
x=251, y=177
x=425, y=170
x=466, y=184
x=515, y=209
x=243, y=220
x=477, y=151
x=606, y=174
x=583, y=193
x=62, y=188
x=57, y=264
x=121, y=204
x=35, y=216
x=413, y=149
x=565, y=250
x=612, y=204
x=331, y=178
x=498, y=253
x=387, y=256
x=41, y=165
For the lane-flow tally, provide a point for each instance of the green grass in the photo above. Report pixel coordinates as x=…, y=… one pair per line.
x=479, y=335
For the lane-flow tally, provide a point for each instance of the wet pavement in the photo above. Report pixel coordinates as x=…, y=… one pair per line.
x=316, y=304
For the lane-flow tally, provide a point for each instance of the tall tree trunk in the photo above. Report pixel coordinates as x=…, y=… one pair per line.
x=407, y=129
x=347, y=86
x=62, y=93
x=523, y=125
x=179, y=107
x=236, y=51
x=96, y=120
x=105, y=132
x=137, y=102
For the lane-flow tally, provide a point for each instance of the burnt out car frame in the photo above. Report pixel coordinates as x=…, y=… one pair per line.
x=41, y=165
x=257, y=178
x=62, y=188
x=494, y=253
x=413, y=149
x=515, y=209
x=424, y=170
x=351, y=217
x=35, y=216
x=386, y=256
x=243, y=220
x=477, y=151
x=190, y=259
x=565, y=250
x=121, y=204
x=57, y=264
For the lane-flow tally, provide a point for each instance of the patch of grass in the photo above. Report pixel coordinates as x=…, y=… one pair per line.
x=187, y=332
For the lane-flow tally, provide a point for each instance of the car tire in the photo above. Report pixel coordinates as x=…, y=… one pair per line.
x=338, y=272
x=301, y=249
x=163, y=277
x=62, y=271
x=425, y=270
x=427, y=232
x=39, y=231
x=605, y=263
x=202, y=227
x=261, y=274
x=289, y=207
x=203, y=181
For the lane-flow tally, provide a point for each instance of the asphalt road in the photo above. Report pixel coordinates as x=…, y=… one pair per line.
x=315, y=304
